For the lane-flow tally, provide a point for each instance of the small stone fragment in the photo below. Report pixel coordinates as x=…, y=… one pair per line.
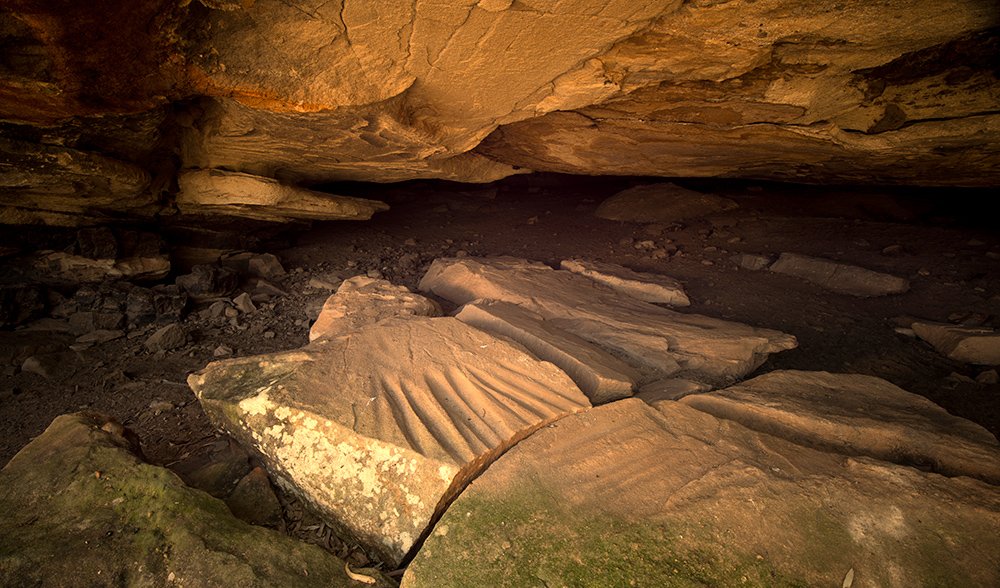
x=166, y=338
x=244, y=304
x=752, y=262
x=988, y=377
x=253, y=500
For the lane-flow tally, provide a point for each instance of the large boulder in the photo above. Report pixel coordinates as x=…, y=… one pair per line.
x=380, y=427
x=81, y=509
x=658, y=343
x=857, y=415
x=628, y=495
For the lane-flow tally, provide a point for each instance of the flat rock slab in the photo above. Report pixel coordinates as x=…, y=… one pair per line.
x=362, y=300
x=977, y=345
x=626, y=494
x=661, y=203
x=839, y=277
x=639, y=285
x=79, y=509
x=213, y=191
x=600, y=375
x=857, y=415
x=378, y=428
x=657, y=342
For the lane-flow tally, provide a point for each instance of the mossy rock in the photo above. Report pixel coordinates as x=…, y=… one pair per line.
x=628, y=495
x=79, y=509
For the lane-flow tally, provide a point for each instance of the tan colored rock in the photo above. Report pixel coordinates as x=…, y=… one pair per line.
x=380, y=427
x=802, y=94
x=639, y=285
x=857, y=415
x=674, y=497
x=601, y=376
x=361, y=300
x=61, y=267
x=839, y=277
x=669, y=390
x=661, y=203
x=238, y=194
x=120, y=520
x=977, y=345
x=657, y=342
x=59, y=182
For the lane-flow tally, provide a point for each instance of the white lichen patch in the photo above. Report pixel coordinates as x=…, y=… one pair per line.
x=371, y=487
x=258, y=405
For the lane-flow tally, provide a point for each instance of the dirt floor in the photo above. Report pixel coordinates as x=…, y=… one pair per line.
x=941, y=240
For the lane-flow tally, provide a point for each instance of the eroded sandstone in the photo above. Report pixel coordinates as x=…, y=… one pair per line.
x=657, y=342
x=626, y=493
x=380, y=427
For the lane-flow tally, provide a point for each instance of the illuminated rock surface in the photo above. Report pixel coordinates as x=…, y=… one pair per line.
x=839, y=277
x=857, y=415
x=380, y=427
x=655, y=341
x=639, y=285
x=627, y=493
x=315, y=91
x=362, y=300
x=978, y=345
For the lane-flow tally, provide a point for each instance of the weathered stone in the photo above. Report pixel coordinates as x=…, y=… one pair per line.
x=208, y=281
x=166, y=338
x=669, y=390
x=55, y=366
x=657, y=342
x=977, y=345
x=100, y=336
x=857, y=415
x=625, y=494
x=661, y=203
x=601, y=376
x=640, y=285
x=61, y=180
x=253, y=500
x=20, y=303
x=362, y=300
x=752, y=262
x=243, y=304
x=839, y=277
x=215, y=467
x=121, y=521
x=97, y=243
x=380, y=427
x=237, y=194
x=265, y=265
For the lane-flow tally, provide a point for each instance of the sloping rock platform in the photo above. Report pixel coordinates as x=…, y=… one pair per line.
x=657, y=342
x=629, y=495
x=80, y=509
x=857, y=415
x=380, y=427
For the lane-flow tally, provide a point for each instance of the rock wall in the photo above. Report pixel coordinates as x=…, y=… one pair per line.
x=314, y=91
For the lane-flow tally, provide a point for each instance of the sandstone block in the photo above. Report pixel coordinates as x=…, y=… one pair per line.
x=380, y=427
x=120, y=520
x=657, y=342
x=626, y=494
x=839, y=277
x=362, y=300
x=639, y=285
x=977, y=345
x=857, y=415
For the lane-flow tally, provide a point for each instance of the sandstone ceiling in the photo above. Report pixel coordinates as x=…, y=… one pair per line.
x=105, y=105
